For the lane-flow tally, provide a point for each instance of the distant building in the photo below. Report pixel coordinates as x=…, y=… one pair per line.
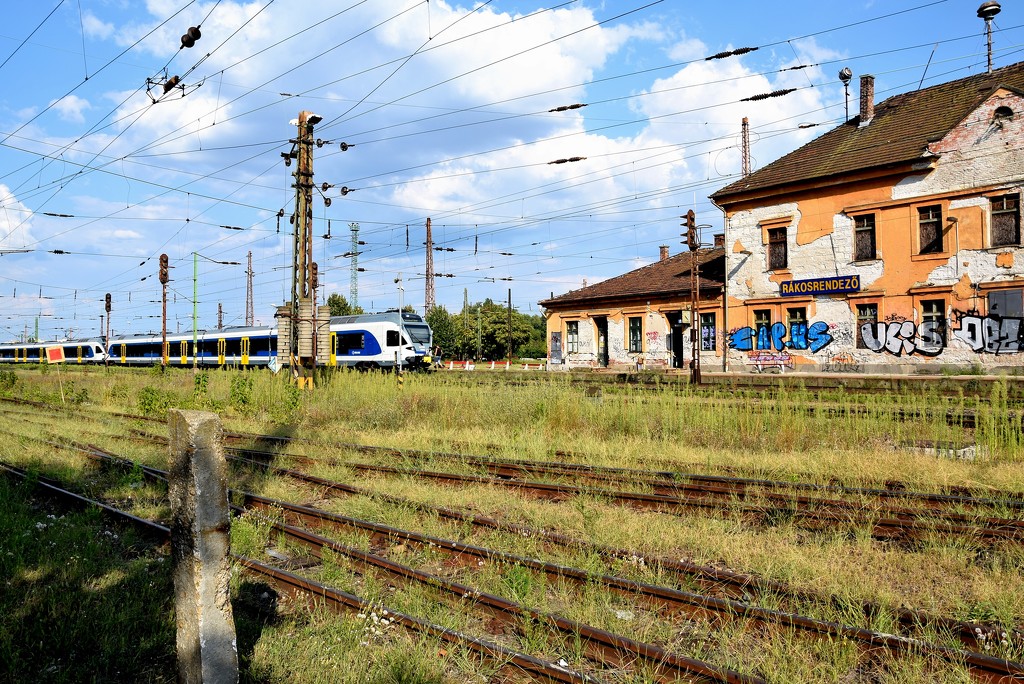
x=640, y=319
x=890, y=243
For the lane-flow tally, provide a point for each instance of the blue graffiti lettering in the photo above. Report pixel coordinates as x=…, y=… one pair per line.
x=800, y=337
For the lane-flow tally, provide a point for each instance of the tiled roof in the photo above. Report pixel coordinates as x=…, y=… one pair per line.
x=667, y=277
x=899, y=132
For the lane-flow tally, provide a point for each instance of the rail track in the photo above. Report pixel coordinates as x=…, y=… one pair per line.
x=303, y=523
x=602, y=647
x=663, y=598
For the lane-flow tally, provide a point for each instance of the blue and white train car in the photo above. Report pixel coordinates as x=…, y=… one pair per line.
x=75, y=351
x=383, y=340
x=243, y=346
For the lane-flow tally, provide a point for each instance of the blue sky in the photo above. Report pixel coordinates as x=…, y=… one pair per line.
x=447, y=108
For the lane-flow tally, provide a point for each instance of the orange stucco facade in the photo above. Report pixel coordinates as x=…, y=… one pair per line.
x=917, y=264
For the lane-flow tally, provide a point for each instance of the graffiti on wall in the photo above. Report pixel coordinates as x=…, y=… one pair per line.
x=769, y=362
x=990, y=334
x=780, y=337
x=842, y=363
x=904, y=337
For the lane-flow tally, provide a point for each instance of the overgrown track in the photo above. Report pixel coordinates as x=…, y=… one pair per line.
x=314, y=592
x=602, y=647
x=887, y=522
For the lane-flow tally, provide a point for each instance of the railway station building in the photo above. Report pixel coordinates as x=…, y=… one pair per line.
x=890, y=244
x=642, y=319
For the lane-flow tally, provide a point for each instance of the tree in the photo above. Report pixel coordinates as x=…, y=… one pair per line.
x=339, y=306
x=443, y=326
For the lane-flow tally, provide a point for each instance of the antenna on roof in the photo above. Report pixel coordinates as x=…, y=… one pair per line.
x=988, y=11
x=846, y=75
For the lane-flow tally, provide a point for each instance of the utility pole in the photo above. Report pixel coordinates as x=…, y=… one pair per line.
x=353, y=286
x=249, y=318
x=220, y=316
x=509, y=327
x=429, y=297
x=195, y=312
x=298, y=327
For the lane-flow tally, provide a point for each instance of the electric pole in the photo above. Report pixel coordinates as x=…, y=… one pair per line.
x=298, y=327
x=249, y=318
x=353, y=285
x=429, y=296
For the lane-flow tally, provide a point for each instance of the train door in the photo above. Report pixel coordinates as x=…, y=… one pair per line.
x=124, y=352
x=79, y=353
x=245, y=351
x=184, y=352
x=333, y=359
x=221, y=350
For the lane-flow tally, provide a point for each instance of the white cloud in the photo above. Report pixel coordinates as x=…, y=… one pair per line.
x=71, y=108
x=95, y=27
x=15, y=227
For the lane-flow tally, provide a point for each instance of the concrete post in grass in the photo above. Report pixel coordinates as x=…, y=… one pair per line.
x=200, y=527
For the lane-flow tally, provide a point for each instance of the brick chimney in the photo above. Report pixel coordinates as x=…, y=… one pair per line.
x=867, y=99
x=664, y=252
x=719, y=239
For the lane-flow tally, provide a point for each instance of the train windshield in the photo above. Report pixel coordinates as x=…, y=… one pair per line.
x=420, y=334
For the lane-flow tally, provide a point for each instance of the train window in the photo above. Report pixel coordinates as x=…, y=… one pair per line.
x=392, y=338
x=349, y=342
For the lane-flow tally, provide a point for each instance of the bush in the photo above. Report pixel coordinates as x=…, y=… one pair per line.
x=241, y=393
x=153, y=402
x=8, y=380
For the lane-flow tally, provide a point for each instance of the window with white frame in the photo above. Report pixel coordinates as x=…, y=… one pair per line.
x=572, y=337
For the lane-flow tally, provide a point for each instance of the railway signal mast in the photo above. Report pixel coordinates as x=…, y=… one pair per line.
x=299, y=332
x=692, y=236
x=164, y=277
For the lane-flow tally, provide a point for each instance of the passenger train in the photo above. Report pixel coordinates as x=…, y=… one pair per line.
x=364, y=341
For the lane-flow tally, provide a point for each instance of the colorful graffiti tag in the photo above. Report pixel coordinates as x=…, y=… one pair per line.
x=800, y=337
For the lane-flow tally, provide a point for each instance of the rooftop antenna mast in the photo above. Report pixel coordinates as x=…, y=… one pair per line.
x=745, y=152
x=988, y=11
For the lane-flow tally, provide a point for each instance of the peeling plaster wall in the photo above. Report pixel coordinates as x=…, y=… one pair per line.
x=981, y=158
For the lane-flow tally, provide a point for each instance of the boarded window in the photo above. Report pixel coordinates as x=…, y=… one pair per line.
x=866, y=313
x=777, y=257
x=1006, y=304
x=929, y=222
x=636, y=334
x=1006, y=220
x=864, y=237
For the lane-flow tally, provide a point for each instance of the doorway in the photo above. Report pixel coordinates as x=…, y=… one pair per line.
x=602, y=341
x=676, y=338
